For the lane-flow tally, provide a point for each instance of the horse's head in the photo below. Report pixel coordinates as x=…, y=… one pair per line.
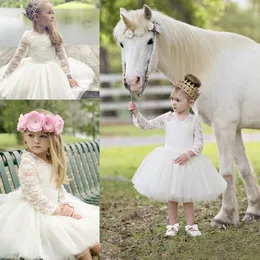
x=136, y=33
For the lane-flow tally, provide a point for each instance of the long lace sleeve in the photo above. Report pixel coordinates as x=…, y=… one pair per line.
x=31, y=189
x=19, y=54
x=197, y=138
x=63, y=197
x=141, y=122
x=62, y=56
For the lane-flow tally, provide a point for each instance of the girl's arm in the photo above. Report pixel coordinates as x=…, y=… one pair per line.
x=31, y=189
x=197, y=140
x=141, y=122
x=63, y=198
x=62, y=56
x=20, y=51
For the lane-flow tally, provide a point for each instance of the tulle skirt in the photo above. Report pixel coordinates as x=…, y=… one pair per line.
x=45, y=80
x=29, y=234
x=159, y=178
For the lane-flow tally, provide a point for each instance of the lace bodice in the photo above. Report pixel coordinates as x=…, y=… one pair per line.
x=181, y=135
x=40, y=50
x=38, y=186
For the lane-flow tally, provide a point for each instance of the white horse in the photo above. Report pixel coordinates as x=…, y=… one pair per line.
x=228, y=65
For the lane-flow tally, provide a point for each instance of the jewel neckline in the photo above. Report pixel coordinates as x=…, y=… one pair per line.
x=34, y=155
x=181, y=120
x=33, y=31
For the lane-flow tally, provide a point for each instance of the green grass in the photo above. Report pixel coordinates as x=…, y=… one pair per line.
x=127, y=130
x=130, y=130
x=8, y=141
x=132, y=226
x=74, y=6
x=123, y=161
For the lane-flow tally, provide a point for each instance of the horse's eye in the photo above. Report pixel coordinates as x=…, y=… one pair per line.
x=121, y=44
x=150, y=41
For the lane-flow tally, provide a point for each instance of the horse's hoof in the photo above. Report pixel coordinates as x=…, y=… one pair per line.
x=249, y=217
x=219, y=224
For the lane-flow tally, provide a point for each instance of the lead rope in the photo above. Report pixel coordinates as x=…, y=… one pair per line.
x=131, y=100
x=149, y=66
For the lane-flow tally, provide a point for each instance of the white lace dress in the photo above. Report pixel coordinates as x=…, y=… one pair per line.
x=43, y=74
x=30, y=231
x=159, y=178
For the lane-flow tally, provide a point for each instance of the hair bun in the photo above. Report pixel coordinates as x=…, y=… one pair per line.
x=191, y=78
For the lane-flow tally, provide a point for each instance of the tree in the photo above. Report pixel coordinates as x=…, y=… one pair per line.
x=11, y=110
x=200, y=12
x=92, y=127
x=239, y=20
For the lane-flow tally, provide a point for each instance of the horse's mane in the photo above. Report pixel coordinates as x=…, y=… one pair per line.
x=193, y=49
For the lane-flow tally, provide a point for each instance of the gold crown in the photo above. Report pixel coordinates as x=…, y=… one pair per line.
x=189, y=88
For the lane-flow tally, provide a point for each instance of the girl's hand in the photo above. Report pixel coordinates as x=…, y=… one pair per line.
x=132, y=107
x=57, y=212
x=182, y=159
x=76, y=216
x=73, y=83
x=67, y=210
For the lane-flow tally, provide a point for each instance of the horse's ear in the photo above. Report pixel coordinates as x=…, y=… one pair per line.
x=123, y=11
x=147, y=12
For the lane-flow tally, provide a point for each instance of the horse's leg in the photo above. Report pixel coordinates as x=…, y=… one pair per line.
x=247, y=173
x=225, y=136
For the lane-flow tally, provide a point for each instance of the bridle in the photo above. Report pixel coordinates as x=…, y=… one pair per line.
x=156, y=30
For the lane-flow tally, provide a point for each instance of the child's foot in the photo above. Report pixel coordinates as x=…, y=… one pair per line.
x=172, y=230
x=193, y=230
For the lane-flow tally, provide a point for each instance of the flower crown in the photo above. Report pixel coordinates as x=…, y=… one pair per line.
x=35, y=122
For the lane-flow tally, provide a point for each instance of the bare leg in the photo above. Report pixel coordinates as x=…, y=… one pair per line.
x=173, y=212
x=86, y=256
x=189, y=212
x=225, y=136
x=247, y=173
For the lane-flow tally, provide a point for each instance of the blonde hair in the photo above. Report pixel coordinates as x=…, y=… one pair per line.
x=51, y=30
x=56, y=155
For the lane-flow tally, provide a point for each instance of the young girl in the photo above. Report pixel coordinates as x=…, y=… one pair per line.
x=178, y=172
x=41, y=220
x=46, y=74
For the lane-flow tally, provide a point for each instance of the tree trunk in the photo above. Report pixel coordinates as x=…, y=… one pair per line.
x=104, y=68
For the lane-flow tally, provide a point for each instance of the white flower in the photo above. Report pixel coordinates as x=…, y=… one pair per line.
x=129, y=34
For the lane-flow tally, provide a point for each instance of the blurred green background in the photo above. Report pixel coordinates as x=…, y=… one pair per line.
x=81, y=119
x=241, y=16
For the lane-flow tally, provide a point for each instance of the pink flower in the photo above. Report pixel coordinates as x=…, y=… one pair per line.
x=48, y=123
x=34, y=121
x=22, y=123
x=59, y=123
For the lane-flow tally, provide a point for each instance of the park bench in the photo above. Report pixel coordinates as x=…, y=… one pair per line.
x=82, y=170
